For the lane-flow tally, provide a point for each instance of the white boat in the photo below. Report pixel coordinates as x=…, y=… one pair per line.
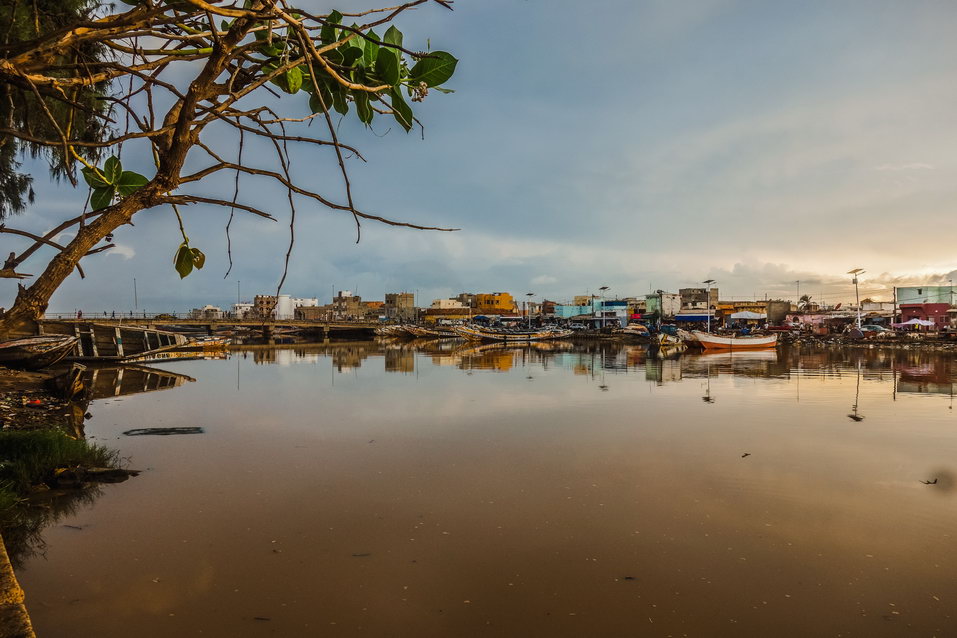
x=716, y=342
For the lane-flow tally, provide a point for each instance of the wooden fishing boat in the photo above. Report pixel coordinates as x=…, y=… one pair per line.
x=33, y=353
x=206, y=343
x=111, y=342
x=419, y=331
x=718, y=342
x=474, y=333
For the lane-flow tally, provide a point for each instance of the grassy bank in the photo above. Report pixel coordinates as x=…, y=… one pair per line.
x=32, y=457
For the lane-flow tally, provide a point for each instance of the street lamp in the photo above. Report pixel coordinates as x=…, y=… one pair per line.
x=857, y=296
x=710, y=282
x=528, y=310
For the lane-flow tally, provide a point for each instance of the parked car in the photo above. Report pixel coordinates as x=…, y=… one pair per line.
x=874, y=330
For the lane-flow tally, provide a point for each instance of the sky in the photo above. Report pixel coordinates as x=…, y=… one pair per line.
x=638, y=145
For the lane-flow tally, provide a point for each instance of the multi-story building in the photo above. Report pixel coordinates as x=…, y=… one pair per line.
x=663, y=305
x=281, y=306
x=495, y=303
x=206, y=312
x=698, y=298
x=243, y=310
x=924, y=295
x=446, y=304
x=264, y=306
x=399, y=306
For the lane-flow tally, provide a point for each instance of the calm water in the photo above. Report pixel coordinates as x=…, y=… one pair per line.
x=362, y=489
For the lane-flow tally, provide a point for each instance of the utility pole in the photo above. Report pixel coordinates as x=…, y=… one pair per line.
x=136, y=303
x=710, y=283
x=857, y=295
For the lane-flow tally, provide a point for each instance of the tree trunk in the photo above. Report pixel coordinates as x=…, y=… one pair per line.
x=21, y=320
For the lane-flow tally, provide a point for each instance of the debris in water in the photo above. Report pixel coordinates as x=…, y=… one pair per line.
x=745, y=454
x=164, y=431
x=361, y=555
x=934, y=482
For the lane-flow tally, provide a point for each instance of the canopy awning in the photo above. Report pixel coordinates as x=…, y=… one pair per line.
x=746, y=314
x=915, y=322
x=691, y=317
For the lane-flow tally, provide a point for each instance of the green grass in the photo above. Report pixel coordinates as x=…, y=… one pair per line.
x=29, y=458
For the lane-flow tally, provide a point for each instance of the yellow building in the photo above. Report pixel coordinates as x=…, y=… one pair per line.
x=495, y=303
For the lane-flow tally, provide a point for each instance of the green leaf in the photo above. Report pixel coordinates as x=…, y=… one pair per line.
x=350, y=55
x=320, y=106
x=393, y=36
x=225, y=24
x=273, y=50
x=199, y=259
x=293, y=79
x=371, y=50
x=328, y=33
x=112, y=169
x=435, y=69
x=339, y=102
x=387, y=66
x=92, y=178
x=401, y=110
x=363, y=108
x=183, y=261
x=102, y=197
x=129, y=182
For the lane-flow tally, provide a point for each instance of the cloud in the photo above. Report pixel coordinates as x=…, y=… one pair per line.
x=544, y=279
x=911, y=166
x=123, y=250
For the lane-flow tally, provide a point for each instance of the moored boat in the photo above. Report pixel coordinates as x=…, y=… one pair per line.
x=474, y=333
x=33, y=353
x=717, y=342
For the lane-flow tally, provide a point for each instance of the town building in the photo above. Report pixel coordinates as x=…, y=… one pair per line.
x=207, y=312
x=698, y=298
x=495, y=303
x=399, y=306
x=243, y=310
x=280, y=306
x=446, y=304
x=662, y=305
x=924, y=295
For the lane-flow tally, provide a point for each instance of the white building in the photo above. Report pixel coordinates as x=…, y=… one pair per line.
x=447, y=304
x=286, y=305
x=206, y=312
x=243, y=310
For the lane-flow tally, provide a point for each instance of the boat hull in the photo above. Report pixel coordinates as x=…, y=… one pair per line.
x=34, y=353
x=717, y=342
x=476, y=334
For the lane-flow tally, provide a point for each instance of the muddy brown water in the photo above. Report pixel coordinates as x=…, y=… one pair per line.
x=385, y=490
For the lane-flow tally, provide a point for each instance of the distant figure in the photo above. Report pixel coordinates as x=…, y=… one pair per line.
x=79, y=314
x=113, y=315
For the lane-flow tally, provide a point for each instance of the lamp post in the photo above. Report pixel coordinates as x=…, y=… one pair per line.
x=601, y=306
x=857, y=296
x=528, y=310
x=710, y=283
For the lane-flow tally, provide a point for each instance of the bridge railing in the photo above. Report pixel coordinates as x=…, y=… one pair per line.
x=166, y=317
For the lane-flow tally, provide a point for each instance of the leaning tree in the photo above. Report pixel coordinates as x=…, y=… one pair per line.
x=79, y=80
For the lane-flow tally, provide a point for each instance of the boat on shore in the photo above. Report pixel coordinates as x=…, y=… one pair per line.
x=475, y=333
x=710, y=341
x=34, y=353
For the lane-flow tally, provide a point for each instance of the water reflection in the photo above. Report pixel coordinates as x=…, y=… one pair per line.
x=557, y=489
x=77, y=388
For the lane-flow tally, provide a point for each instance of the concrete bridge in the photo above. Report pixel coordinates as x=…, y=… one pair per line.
x=269, y=327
